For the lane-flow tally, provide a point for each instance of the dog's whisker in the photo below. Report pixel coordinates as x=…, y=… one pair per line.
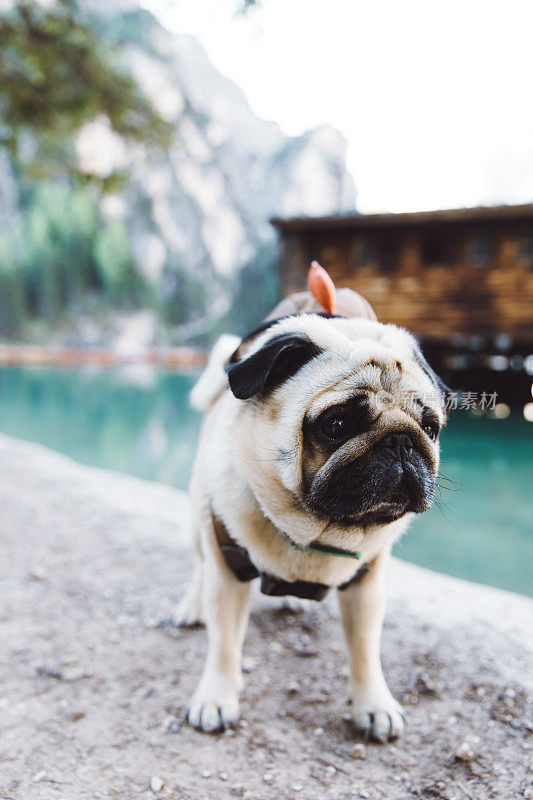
x=453, y=485
x=445, y=509
x=442, y=510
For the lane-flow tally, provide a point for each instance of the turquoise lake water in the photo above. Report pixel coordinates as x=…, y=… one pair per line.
x=137, y=420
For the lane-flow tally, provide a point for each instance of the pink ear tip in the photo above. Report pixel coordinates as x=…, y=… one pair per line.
x=322, y=287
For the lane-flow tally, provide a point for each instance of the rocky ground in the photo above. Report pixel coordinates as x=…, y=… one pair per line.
x=93, y=691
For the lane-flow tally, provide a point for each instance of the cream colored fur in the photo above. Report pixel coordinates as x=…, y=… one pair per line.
x=240, y=476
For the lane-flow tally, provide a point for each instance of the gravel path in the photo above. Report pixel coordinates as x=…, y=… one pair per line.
x=93, y=690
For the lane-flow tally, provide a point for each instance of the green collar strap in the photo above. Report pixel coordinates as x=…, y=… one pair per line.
x=325, y=549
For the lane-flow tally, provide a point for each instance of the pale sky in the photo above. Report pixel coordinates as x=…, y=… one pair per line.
x=434, y=98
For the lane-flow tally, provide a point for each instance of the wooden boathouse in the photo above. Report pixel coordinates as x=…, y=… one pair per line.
x=460, y=279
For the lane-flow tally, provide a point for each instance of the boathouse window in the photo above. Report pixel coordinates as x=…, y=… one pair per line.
x=362, y=252
x=434, y=251
x=525, y=248
x=387, y=253
x=481, y=251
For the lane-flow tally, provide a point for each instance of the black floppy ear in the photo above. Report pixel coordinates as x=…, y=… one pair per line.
x=278, y=360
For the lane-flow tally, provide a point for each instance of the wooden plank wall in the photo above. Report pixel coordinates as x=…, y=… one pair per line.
x=431, y=300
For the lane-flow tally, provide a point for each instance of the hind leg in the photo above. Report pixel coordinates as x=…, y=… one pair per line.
x=189, y=610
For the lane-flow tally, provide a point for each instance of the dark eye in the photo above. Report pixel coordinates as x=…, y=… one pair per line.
x=334, y=427
x=431, y=430
x=339, y=423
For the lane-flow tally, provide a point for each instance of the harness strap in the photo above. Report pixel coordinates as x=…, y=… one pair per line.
x=320, y=548
x=238, y=560
x=360, y=573
x=240, y=563
x=307, y=590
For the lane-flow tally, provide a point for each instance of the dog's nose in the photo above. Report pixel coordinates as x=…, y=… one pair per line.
x=399, y=444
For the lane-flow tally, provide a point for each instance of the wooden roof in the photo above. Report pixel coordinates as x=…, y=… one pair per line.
x=418, y=218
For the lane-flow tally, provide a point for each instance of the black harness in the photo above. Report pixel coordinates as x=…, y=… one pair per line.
x=238, y=560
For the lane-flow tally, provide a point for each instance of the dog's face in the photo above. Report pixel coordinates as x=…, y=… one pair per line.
x=340, y=418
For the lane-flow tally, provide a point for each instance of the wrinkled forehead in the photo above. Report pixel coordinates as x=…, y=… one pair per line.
x=375, y=372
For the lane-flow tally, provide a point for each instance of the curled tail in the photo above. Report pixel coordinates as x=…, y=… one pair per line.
x=213, y=381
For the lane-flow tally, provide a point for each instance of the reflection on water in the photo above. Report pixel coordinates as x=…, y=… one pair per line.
x=137, y=420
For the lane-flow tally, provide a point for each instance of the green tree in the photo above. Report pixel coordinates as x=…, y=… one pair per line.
x=255, y=292
x=60, y=229
x=121, y=280
x=57, y=73
x=182, y=295
x=12, y=305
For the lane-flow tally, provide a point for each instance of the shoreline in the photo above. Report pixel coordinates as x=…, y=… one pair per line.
x=26, y=355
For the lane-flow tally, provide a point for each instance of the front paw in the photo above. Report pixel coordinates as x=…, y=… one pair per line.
x=376, y=714
x=214, y=706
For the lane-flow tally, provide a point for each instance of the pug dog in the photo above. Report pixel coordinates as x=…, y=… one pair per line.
x=319, y=444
